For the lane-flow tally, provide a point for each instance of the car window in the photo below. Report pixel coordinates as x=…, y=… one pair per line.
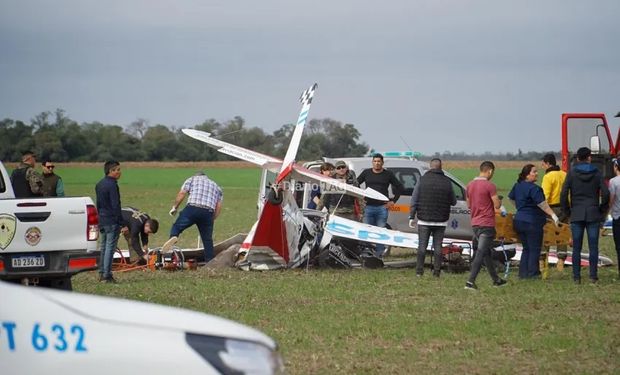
x=459, y=192
x=409, y=177
x=2, y=185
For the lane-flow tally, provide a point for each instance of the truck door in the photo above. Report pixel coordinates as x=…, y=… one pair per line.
x=459, y=224
x=587, y=130
x=398, y=218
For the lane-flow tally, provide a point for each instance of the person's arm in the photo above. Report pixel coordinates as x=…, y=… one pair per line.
x=604, y=198
x=115, y=202
x=60, y=188
x=546, y=186
x=35, y=181
x=415, y=199
x=564, y=201
x=362, y=177
x=177, y=201
x=218, y=209
x=397, y=187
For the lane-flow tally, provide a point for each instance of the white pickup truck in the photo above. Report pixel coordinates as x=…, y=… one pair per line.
x=45, y=241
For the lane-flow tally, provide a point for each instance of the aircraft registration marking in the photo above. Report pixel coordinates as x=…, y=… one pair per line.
x=58, y=337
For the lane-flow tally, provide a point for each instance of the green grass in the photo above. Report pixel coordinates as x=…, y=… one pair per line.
x=374, y=321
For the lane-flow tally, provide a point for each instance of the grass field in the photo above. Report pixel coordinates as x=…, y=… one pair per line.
x=373, y=321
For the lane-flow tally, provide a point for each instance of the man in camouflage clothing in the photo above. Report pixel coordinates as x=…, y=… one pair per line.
x=343, y=205
x=26, y=181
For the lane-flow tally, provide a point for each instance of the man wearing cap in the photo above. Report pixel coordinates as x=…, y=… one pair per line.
x=52, y=183
x=203, y=207
x=379, y=179
x=343, y=205
x=26, y=182
x=585, y=198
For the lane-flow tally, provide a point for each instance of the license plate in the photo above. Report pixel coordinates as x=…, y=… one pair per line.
x=28, y=261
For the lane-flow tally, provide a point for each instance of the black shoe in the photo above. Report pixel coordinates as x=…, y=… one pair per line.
x=470, y=286
x=577, y=281
x=101, y=278
x=418, y=275
x=110, y=280
x=594, y=281
x=499, y=282
x=436, y=274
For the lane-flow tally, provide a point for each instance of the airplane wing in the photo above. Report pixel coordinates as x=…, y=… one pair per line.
x=341, y=227
x=264, y=161
x=300, y=173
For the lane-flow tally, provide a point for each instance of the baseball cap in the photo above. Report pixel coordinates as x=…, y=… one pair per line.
x=340, y=163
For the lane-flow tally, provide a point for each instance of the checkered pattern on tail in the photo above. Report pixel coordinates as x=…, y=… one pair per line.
x=306, y=96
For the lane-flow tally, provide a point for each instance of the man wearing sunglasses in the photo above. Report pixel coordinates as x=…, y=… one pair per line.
x=52, y=183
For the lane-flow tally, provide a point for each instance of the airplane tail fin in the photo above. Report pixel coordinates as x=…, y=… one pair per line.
x=270, y=233
x=291, y=153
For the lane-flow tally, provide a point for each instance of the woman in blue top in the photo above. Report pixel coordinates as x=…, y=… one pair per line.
x=530, y=219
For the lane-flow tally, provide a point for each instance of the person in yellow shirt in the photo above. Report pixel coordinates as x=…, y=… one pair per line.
x=552, y=186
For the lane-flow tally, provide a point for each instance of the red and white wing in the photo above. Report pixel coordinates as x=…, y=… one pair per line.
x=264, y=161
x=300, y=173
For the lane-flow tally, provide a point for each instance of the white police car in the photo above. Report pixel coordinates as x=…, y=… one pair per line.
x=44, y=331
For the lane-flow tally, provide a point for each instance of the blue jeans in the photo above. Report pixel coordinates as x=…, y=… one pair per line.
x=483, y=245
x=531, y=236
x=577, y=228
x=203, y=218
x=377, y=216
x=109, y=241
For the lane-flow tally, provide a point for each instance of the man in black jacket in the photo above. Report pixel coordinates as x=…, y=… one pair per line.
x=585, y=198
x=110, y=217
x=137, y=226
x=26, y=182
x=430, y=202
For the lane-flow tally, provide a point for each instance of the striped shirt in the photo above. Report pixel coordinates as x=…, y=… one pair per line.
x=202, y=192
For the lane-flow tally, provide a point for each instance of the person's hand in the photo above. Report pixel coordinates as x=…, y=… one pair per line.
x=389, y=204
x=411, y=223
x=173, y=211
x=556, y=220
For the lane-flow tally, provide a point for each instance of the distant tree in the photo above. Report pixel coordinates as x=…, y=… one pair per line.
x=159, y=143
x=138, y=128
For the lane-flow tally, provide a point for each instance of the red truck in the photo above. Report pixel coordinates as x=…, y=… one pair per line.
x=589, y=130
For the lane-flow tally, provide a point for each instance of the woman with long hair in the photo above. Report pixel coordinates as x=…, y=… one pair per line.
x=532, y=211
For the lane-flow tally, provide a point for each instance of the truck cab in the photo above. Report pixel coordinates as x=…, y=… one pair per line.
x=588, y=130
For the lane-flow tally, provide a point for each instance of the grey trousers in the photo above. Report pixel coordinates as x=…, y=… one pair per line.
x=483, y=245
x=424, y=233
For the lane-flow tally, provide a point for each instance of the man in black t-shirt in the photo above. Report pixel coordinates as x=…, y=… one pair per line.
x=379, y=179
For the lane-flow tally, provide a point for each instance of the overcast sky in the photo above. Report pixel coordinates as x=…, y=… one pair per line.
x=453, y=75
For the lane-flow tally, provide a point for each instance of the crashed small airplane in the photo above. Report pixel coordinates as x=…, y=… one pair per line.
x=284, y=235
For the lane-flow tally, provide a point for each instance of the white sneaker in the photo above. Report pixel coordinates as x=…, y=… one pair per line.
x=167, y=246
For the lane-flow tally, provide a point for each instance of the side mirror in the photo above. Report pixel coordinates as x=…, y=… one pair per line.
x=595, y=144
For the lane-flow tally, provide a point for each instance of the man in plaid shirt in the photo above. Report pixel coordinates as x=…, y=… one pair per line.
x=203, y=207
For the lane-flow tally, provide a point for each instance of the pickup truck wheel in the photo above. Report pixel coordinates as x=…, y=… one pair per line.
x=62, y=284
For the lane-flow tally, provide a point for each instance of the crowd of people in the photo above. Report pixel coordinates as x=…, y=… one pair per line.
x=579, y=197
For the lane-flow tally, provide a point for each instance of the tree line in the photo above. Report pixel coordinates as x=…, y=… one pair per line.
x=55, y=136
